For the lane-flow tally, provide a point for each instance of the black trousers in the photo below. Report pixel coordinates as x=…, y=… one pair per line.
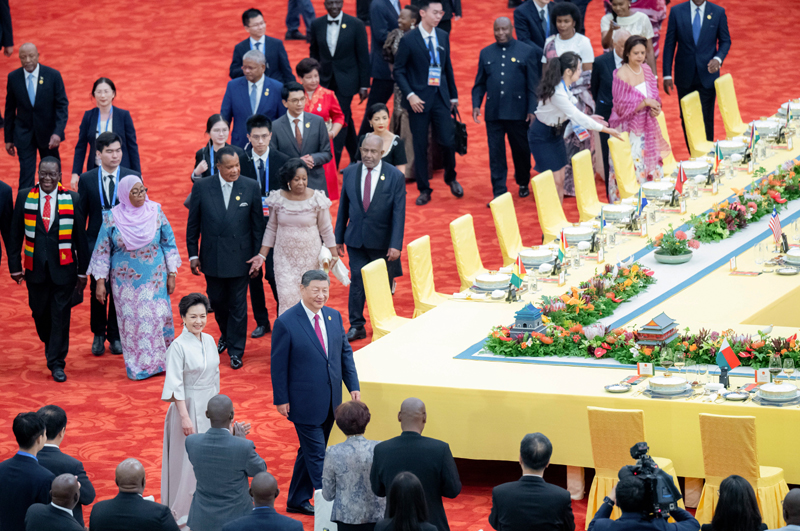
x=445, y=25
x=307, y=473
x=359, y=257
x=257, y=299
x=27, y=160
x=51, y=310
x=362, y=10
x=380, y=92
x=438, y=114
x=517, y=131
x=102, y=325
x=341, y=526
x=708, y=98
x=228, y=297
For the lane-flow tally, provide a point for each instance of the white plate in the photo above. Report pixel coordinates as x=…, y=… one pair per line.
x=696, y=164
x=774, y=399
x=787, y=271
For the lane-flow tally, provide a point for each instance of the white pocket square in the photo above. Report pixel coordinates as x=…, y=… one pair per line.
x=242, y=205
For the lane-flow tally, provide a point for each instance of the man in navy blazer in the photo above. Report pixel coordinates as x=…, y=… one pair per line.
x=277, y=61
x=264, y=489
x=371, y=220
x=311, y=357
x=255, y=93
x=534, y=23
x=699, y=30
x=383, y=19
x=36, y=113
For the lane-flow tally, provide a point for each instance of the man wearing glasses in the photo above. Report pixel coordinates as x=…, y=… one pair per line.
x=278, y=66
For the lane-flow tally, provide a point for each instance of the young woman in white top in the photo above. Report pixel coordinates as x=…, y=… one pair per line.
x=637, y=23
x=555, y=113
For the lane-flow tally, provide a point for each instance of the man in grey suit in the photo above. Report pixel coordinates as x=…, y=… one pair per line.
x=299, y=134
x=223, y=460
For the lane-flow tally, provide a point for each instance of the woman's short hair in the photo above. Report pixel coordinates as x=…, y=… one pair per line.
x=405, y=503
x=288, y=171
x=193, y=299
x=101, y=80
x=737, y=508
x=562, y=9
x=306, y=66
x=352, y=417
x=213, y=120
x=414, y=13
x=375, y=109
x=633, y=40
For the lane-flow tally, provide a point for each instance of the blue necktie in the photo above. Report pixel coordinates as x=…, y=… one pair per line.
x=253, y=96
x=545, y=24
x=261, y=176
x=257, y=46
x=696, y=25
x=432, y=52
x=31, y=89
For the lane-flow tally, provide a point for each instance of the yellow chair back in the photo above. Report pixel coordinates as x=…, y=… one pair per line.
x=465, y=246
x=729, y=446
x=589, y=205
x=729, y=106
x=624, y=171
x=668, y=159
x=379, y=297
x=420, y=269
x=548, y=206
x=695, y=127
x=612, y=433
x=505, y=223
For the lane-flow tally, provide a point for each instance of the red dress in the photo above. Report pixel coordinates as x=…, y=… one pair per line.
x=323, y=103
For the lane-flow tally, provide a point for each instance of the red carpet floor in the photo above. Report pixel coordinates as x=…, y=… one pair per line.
x=169, y=60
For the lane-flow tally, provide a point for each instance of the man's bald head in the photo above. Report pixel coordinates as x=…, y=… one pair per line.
x=29, y=57
x=65, y=491
x=791, y=507
x=413, y=415
x=130, y=476
x=621, y=36
x=220, y=411
x=373, y=141
x=264, y=489
x=502, y=30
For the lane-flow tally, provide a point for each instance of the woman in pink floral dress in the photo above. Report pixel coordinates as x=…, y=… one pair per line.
x=136, y=251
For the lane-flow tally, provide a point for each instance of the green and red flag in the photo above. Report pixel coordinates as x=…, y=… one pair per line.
x=726, y=357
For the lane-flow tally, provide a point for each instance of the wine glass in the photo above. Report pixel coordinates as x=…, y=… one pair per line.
x=760, y=253
x=691, y=373
x=775, y=367
x=679, y=359
x=666, y=361
x=788, y=367
x=702, y=370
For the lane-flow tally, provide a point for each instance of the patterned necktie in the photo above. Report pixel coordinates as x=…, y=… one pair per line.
x=261, y=177
x=110, y=194
x=318, y=330
x=297, y=135
x=46, y=215
x=367, y=190
x=253, y=97
x=697, y=23
x=31, y=89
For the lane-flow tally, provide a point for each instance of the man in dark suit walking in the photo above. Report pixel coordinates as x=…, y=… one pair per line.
x=97, y=190
x=36, y=113
x=339, y=43
x=699, y=31
x=264, y=490
x=429, y=459
x=226, y=213
x=452, y=11
x=277, y=61
x=23, y=481
x=508, y=76
x=530, y=503
x=534, y=23
x=371, y=221
x=53, y=459
x=262, y=165
x=424, y=73
x=383, y=19
x=128, y=511
x=57, y=515
x=311, y=357
x=57, y=255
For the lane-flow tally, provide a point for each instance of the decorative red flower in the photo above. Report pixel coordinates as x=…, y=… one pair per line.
x=680, y=235
x=776, y=196
x=598, y=352
x=694, y=244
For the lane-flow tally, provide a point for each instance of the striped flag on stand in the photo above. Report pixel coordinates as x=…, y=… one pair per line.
x=726, y=357
x=562, y=247
x=717, y=156
x=681, y=179
x=519, y=273
x=775, y=225
x=754, y=136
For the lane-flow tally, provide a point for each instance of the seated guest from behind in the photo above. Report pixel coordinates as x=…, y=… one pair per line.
x=407, y=508
x=57, y=515
x=530, y=503
x=631, y=497
x=264, y=490
x=737, y=508
x=791, y=511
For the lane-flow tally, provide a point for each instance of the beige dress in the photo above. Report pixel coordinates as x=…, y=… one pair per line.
x=192, y=375
x=296, y=231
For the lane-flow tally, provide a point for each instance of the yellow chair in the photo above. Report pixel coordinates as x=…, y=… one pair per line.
x=505, y=223
x=420, y=269
x=613, y=432
x=465, y=246
x=668, y=159
x=589, y=205
x=729, y=106
x=625, y=173
x=695, y=127
x=548, y=206
x=729, y=447
x=379, y=299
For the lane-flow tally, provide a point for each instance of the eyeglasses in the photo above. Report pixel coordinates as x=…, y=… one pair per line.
x=296, y=100
x=141, y=192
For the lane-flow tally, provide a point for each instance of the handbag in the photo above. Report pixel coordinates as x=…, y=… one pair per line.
x=461, y=133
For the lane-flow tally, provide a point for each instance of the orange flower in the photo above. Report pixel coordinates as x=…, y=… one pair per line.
x=565, y=298
x=722, y=215
x=634, y=268
x=685, y=343
x=628, y=283
x=590, y=307
x=724, y=204
x=576, y=329
x=626, y=272
x=647, y=351
x=692, y=348
x=783, y=351
x=546, y=340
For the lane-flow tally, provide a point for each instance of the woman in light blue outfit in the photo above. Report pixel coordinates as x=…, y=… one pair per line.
x=345, y=474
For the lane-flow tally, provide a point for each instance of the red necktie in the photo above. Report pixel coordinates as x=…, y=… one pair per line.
x=318, y=330
x=367, y=189
x=46, y=215
x=297, y=135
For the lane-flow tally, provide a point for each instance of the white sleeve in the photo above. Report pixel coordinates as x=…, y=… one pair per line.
x=647, y=27
x=561, y=102
x=586, y=51
x=605, y=23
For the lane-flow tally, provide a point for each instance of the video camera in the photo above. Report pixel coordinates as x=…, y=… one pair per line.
x=661, y=494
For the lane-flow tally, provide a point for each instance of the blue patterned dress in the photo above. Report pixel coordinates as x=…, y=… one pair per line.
x=139, y=286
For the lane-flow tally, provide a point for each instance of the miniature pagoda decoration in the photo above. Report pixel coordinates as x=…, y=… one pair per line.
x=659, y=331
x=527, y=320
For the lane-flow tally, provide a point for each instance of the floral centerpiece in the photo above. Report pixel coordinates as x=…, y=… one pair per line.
x=673, y=247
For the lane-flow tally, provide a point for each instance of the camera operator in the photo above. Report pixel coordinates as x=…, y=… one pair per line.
x=631, y=496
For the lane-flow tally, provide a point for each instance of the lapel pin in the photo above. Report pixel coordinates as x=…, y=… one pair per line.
x=237, y=197
x=41, y=80
x=709, y=17
x=344, y=26
x=266, y=92
x=308, y=125
x=513, y=59
x=329, y=318
x=383, y=177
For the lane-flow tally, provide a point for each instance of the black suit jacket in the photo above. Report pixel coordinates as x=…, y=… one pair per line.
x=380, y=227
x=276, y=162
x=41, y=517
x=429, y=459
x=90, y=205
x=6, y=215
x=350, y=66
x=508, y=77
x=230, y=237
x=602, y=82
x=130, y=512
x=531, y=504
x=278, y=66
x=122, y=124
x=261, y=519
x=45, y=249
x=411, y=69
x=684, y=521
x=57, y=462
x=6, y=31
x=23, y=482
x=529, y=27
x=48, y=116
x=204, y=154
x=382, y=19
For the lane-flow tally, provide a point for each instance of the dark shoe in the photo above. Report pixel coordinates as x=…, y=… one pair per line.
x=260, y=331
x=305, y=508
x=98, y=345
x=236, y=363
x=355, y=334
x=424, y=198
x=115, y=347
x=456, y=189
x=523, y=191
x=294, y=35
x=59, y=375
x=222, y=346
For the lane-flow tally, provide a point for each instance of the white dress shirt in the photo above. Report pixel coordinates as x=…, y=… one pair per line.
x=263, y=158
x=226, y=190
x=425, y=36
x=68, y=511
x=53, y=203
x=259, y=90
x=299, y=124
x=376, y=172
x=311, y=315
x=107, y=179
x=561, y=107
x=262, y=44
x=693, y=9
x=617, y=60
x=333, y=32
x=35, y=75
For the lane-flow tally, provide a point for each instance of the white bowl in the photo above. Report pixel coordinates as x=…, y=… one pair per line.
x=695, y=167
x=714, y=387
x=656, y=189
x=577, y=234
x=535, y=257
x=729, y=147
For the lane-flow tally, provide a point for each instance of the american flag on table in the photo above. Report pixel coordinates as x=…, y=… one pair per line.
x=775, y=225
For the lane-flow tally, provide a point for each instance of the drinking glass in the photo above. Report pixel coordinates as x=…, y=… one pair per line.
x=679, y=359
x=702, y=371
x=788, y=367
x=775, y=367
x=666, y=360
x=759, y=253
x=691, y=373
